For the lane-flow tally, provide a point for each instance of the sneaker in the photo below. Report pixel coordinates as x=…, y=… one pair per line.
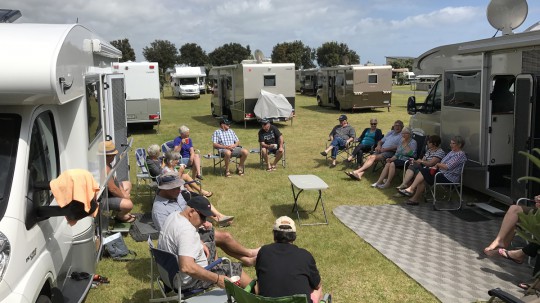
x=374, y=184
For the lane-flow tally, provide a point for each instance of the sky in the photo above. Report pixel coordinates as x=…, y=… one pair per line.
x=372, y=28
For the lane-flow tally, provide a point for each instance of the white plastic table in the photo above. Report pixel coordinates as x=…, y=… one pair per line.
x=308, y=182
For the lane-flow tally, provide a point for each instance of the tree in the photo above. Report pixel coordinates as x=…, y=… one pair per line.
x=332, y=53
x=296, y=52
x=192, y=54
x=229, y=54
x=163, y=52
x=128, y=54
x=402, y=63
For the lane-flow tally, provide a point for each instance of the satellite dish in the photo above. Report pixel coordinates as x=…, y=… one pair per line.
x=259, y=56
x=506, y=15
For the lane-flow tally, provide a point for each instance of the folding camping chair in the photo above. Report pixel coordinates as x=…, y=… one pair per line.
x=261, y=158
x=235, y=294
x=143, y=175
x=167, y=146
x=421, y=142
x=217, y=158
x=343, y=152
x=166, y=266
x=443, y=191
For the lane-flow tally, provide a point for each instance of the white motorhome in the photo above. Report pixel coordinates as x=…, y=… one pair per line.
x=56, y=107
x=143, y=96
x=488, y=94
x=237, y=87
x=188, y=81
x=349, y=87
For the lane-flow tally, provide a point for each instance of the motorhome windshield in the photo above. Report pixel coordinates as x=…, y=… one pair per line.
x=188, y=81
x=9, y=139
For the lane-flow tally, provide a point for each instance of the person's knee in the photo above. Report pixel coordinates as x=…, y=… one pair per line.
x=516, y=209
x=222, y=237
x=126, y=205
x=244, y=152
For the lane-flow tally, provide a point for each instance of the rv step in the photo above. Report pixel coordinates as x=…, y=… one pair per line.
x=490, y=209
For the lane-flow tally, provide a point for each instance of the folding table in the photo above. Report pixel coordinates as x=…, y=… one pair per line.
x=308, y=182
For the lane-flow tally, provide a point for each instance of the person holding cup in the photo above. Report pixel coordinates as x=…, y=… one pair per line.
x=271, y=141
x=171, y=163
x=184, y=145
x=450, y=166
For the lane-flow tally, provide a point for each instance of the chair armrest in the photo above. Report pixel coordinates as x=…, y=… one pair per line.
x=524, y=201
x=504, y=296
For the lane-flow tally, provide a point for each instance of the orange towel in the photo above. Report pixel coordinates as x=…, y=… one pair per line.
x=75, y=185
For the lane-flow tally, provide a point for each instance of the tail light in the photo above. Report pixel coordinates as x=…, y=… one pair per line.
x=153, y=117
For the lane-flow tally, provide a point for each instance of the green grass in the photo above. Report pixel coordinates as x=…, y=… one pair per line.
x=350, y=268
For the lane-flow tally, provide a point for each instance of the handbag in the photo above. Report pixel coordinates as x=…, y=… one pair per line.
x=117, y=249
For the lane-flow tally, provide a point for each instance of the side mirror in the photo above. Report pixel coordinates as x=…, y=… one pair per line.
x=411, y=105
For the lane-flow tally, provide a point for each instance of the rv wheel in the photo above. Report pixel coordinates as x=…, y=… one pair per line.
x=43, y=299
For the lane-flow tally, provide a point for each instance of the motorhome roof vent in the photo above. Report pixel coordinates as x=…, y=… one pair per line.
x=507, y=15
x=259, y=56
x=9, y=15
x=534, y=27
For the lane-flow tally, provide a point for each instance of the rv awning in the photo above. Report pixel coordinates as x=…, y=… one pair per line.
x=272, y=106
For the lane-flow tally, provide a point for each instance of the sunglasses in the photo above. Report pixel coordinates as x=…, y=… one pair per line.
x=373, y=123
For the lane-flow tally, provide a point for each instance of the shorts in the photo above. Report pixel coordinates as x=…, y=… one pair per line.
x=114, y=203
x=235, y=152
x=430, y=179
x=399, y=163
x=184, y=161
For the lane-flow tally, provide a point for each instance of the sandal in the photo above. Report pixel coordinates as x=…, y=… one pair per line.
x=208, y=194
x=405, y=193
x=274, y=167
x=240, y=172
x=131, y=219
x=227, y=174
x=269, y=169
x=504, y=253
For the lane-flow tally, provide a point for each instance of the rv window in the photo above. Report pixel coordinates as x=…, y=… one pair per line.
x=43, y=159
x=502, y=94
x=462, y=89
x=92, y=110
x=9, y=141
x=269, y=80
x=188, y=81
x=372, y=79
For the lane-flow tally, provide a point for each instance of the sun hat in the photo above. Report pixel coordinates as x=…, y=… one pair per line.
x=169, y=180
x=107, y=148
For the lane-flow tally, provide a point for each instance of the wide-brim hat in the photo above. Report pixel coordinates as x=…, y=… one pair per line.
x=169, y=181
x=107, y=148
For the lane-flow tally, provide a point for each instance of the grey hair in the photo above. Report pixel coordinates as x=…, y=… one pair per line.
x=171, y=155
x=459, y=141
x=406, y=129
x=153, y=150
x=183, y=129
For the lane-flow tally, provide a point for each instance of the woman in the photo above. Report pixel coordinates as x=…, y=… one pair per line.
x=434, y=155
x=405, y=151
x=171, y=163
x=118, y=191
x=450, y=166
x=369, y=137
x=184, y=145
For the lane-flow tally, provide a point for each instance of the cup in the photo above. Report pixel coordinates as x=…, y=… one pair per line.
x=432, y=171
x=235, y=280
x=274, y=146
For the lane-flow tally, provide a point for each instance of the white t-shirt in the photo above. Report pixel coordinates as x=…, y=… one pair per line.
x=181, y=238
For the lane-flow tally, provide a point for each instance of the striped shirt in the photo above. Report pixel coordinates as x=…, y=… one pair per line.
x=454, y=161
x=224, y=137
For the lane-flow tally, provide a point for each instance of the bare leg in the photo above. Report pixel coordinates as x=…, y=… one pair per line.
x=391, y=174
x=244, y=279
x=196, y=166
x=194, y=186
x=243, y=157
x=233, y=248
x=369, y=162
x=264, y=153
x=419, y=191
x=125, y=207
x=278, y=156
x=384, y=173
x=506, y=232
x=409, y=174
x=417, y=181
x=226, y=159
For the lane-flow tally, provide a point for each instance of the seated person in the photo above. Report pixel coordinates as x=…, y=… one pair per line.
x=284, y=269
x=519, y=255
x=341, y=135
x=227, y=143
x=179, y=236
x=405, y=151
x=368, y=139
x=118, y=192
x=434, y=154
x=171, y=163
x=450, y=166
x=271, y=141
x=508, y=226
x=169, y=199
x=184, y=145
x=153, y=161
x=385, y=149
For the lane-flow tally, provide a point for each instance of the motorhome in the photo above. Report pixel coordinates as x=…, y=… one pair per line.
x=188, y=81
x=237, y=87
x=350, y=87
x=56, y=107
x=309, y=81
x=488, y=93
x=143, y=96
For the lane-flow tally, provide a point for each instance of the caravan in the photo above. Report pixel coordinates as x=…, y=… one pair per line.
x=309, y=81
x=53, y=119
x=349, y=87
x=143, y=96
x=188, y=81
x=237, y=87
x=488, y=94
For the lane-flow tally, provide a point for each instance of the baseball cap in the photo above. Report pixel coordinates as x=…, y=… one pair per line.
x=169, y=181
x=285, y=224
x=342, y=117
x=201, y=204
x=264, y=121
x=225, y=121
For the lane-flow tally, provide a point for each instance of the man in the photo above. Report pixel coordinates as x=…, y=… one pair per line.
x=169, y=201
x=386, y=148
x=283, y=269
x=179, y=236
x=227, y=143
x=271, y=141
x=341, y=135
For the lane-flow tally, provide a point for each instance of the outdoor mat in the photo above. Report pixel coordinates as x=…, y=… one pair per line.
x=469, y=215
x=437, y=249
x=143, y=227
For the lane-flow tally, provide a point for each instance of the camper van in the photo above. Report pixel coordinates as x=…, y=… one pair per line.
x=309, y=81
x=488, y=93
x=188, y=81
x=350, y=87
x=143, y=96
x=53, y=119
x=238, y=87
